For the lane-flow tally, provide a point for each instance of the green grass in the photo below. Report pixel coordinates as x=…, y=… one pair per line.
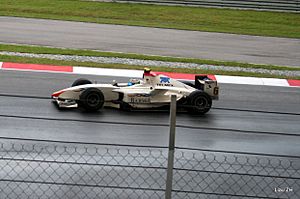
x=48, y=50
x=263, y=23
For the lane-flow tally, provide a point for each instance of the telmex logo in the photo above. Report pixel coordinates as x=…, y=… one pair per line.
x=164, y=80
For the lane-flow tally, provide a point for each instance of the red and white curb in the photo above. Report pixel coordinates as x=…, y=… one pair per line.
x=139, y=73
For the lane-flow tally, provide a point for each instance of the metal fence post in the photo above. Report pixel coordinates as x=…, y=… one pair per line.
x=168, y=194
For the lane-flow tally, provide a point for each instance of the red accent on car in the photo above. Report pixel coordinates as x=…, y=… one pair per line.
x=56, y=94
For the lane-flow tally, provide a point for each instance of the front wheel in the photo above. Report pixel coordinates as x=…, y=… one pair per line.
x=81, y=81
x=199, y=102
x=92, y=99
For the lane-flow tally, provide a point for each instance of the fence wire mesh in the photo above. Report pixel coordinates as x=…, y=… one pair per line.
x=43, y=170
x=40, y=169
x=218, y=174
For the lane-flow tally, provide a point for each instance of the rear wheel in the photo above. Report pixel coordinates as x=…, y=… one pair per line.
x=92, y=99
x=81, y=81
x=199, y=102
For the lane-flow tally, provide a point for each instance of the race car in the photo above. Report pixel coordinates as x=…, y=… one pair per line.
x=153, y=91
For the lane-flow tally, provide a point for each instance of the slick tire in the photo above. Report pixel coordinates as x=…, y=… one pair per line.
x=199, y=102
x=81, y=81
x=92, y=99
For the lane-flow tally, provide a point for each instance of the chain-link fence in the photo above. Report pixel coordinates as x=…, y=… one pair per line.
x=212, y=174
x=47, y=169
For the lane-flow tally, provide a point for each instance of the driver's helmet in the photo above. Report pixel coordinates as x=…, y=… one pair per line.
x=133, y=82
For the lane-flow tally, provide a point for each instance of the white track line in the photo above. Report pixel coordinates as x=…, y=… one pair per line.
x=108, y=72
x=251, y=80
x=275, y=82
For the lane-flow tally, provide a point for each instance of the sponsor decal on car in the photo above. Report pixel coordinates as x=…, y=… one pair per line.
x=139, y=98
x=164, y=85
x=164, y=81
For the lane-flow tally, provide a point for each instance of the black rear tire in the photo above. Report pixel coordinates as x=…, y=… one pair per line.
x=81, y=81
x=199, y=102
x=92, y=99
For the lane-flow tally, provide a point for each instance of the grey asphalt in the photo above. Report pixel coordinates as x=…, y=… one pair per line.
x=155, y=41
x=274, y=130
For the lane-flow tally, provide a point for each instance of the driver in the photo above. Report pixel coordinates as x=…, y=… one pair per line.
x=133, y=82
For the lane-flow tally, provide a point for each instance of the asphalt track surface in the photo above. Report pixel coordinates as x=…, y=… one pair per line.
x=154, y=41
x=260, y=119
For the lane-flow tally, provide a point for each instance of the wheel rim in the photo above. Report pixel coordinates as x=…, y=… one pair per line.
x=201, y=102
x=93, y=99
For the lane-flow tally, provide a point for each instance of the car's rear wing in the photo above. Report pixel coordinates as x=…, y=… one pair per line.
x=209, y=86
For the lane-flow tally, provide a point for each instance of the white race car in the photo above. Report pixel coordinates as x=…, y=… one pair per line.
x=151, y=92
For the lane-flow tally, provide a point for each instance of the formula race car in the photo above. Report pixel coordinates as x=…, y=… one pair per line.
x=152, y=92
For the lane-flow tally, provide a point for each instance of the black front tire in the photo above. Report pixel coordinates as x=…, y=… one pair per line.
x=81, y=81
x=92, y=99
x=199, y=102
